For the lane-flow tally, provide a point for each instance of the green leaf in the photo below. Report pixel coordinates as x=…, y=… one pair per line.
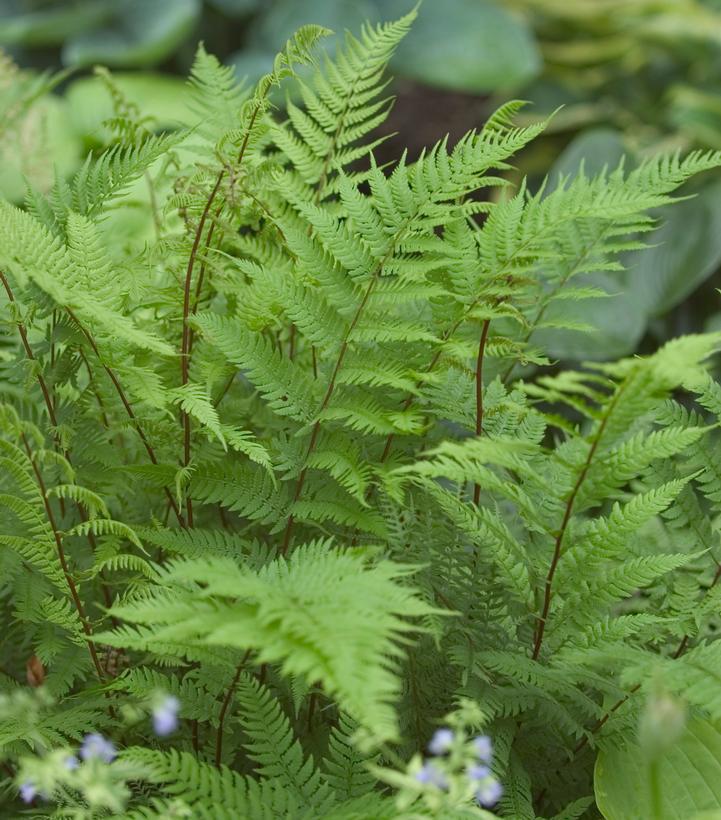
x=325, y=615
x=684, y=251
x=250, y=63
x=596, y=148
x=281, y=19
x=235, y=8
x=690, y=777
x=52, y=25
x=162, y=96
x=687, y=250
x=617, y=321
x=142, y=34
x=465, y=45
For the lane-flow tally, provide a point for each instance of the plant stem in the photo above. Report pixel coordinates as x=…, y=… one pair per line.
x=224, y=708
x=50, y=407
x=655, y=791
x=87, y=629
x=22, y=330
x=98, y=397
x=479, y=395
x=546, y=301
x=186, y=342
x=324, y=404
x=311, y=709
x=129, y=410
x=680, y=649
x=431, y=367
x=568, y=512
x=507, y=271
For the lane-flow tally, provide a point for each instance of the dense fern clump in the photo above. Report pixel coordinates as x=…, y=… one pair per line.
x=284, y=464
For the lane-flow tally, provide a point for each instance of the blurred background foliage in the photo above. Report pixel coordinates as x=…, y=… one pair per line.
x=630, y=77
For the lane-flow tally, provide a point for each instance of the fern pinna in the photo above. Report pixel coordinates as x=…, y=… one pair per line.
x=284, y=463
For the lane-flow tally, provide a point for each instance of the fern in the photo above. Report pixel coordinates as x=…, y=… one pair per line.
x=268, y=476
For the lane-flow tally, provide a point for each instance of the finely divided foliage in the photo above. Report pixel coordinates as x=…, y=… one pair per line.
x=267, y=450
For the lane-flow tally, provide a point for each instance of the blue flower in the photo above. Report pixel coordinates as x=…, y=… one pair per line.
x=441, y=742
x=96, y=746
x=483, y=748
x=165, y=716
x=71, y=762
x=28, y=790
x=477, y=772
x=489, y=793
x=431, y=776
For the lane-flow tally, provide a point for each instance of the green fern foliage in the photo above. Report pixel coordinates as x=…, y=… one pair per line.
x=289, y=482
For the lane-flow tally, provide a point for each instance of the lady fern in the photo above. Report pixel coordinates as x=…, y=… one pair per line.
x=269, y=454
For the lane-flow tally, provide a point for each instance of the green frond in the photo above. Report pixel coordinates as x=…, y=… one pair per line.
x=285, y=387
x=346, y=769
x=606, y=538
x=333, y=593
x=364, y=527
x=102, y=179
x=106, y=526
x=342, y=105
x=33, y=253
x=195, y=401
x=91, y=501
x=276, y=752
x=211, y=792
x=239, y=487
x=216, y=94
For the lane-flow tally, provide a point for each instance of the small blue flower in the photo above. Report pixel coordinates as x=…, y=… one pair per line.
x=477, y=772
x=71, y=763
x=441, y=742
x=489, y=793
x=95, y=745
x=165, y=716
x=483, y=748
x=28, y=791
x=429, y=775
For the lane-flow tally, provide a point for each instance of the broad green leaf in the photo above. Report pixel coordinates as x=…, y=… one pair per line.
x=690, y=777
x=142, y=34
x=251, y=64
x=686, y=251
x=235, y=8
x=281, y=19
x=163, y=96
x=596, y=148
x=465, y=45
x=618, y=321
x=52, y=25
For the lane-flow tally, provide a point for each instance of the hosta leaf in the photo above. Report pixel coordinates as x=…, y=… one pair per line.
x=689, y=775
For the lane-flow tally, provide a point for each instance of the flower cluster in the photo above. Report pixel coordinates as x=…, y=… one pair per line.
x=93, y=747
x=165, y=715
x=96, y=747
x=486, y=788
